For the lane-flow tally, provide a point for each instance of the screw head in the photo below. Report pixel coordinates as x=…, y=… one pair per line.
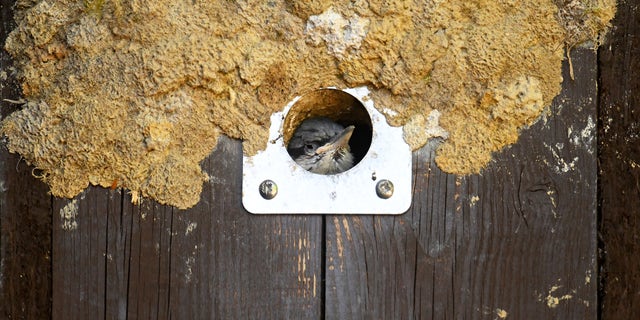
x=268, y=189
x=384, y=189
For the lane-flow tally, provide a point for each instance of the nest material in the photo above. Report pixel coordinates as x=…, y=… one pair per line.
x=135, y=93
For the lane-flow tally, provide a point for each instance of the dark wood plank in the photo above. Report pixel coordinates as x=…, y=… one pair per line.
x=527, y=238
x=212, y=261
x=25, y=214
x=118, y=257
x=229, y=264
x=80, y=253
x=149, y=271
x=619, y=146
x=519, y=240
x=25, y=242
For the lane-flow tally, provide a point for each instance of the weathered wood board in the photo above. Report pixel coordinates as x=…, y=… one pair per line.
x=619, y=158
x=517, y=241
x=114, y=259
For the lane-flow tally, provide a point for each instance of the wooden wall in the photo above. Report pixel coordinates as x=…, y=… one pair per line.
x=520, y=240
x=619, y=158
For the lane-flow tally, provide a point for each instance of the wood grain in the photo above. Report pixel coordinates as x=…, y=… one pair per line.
x=212, y=261
x=235, y=265
x=79, y=254
x=25, y=242
x=517, y=240
x=619, y=147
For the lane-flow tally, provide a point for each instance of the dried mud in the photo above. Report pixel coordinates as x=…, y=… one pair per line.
x=134, y=94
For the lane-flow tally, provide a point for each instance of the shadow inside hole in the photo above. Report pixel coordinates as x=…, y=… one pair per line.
x=338, y=106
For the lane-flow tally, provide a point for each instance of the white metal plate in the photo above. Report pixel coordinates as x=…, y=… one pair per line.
x=349, y=192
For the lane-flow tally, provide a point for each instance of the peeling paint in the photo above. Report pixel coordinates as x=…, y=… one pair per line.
x=561, y=165
x=307, y=282
x=552, y=300
x=192, y=226
x=339, y=244
x=584, y=138
x=68, y=213
x=188, y=266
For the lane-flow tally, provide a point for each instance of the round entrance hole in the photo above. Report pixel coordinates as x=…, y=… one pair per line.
x=326, y=106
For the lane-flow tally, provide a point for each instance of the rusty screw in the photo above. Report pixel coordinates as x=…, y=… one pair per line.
x=268, y=189
x=384, y=189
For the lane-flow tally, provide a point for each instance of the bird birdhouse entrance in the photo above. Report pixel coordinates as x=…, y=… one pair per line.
x=326, y=113
x=329, y=151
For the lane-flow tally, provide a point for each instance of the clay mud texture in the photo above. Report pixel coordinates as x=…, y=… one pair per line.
x=134, y=94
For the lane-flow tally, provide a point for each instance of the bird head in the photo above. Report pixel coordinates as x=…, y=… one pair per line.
x=321, y=146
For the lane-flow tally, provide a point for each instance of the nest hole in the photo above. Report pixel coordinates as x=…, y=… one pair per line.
x=338, y=106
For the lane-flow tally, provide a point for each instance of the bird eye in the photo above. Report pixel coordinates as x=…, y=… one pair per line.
x=308, y=146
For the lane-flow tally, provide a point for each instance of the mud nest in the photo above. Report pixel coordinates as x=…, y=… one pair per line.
x=134, y=94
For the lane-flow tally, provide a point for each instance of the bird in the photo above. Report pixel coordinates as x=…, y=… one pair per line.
x=320, y=145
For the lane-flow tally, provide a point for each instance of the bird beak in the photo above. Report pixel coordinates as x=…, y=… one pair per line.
x=340, y=141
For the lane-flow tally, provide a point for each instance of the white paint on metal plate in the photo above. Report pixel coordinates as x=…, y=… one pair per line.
x=349, y=192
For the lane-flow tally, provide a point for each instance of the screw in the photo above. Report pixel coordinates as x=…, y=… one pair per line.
x=384, y=189
x=268, y=189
